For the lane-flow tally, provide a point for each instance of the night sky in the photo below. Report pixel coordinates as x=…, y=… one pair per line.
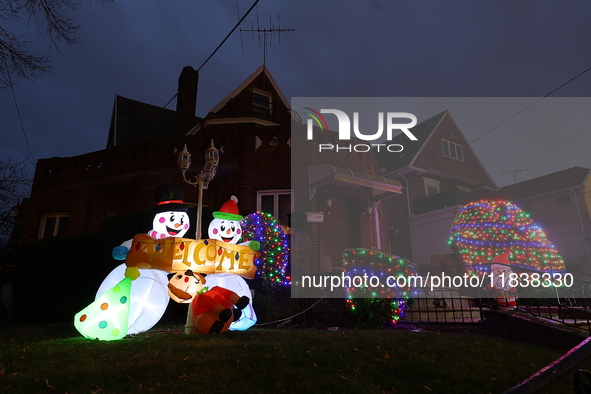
x=340, y=48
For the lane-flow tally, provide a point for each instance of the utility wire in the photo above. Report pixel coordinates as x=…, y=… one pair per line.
x=531, y=105
x=30, y=157
x=523, y=110
x=213, y=53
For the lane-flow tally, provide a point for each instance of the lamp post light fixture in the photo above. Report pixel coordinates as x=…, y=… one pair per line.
x=212, y=158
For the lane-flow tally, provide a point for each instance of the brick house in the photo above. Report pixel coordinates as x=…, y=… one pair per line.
x=250, y=127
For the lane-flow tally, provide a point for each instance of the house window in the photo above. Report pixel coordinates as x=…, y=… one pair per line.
x=452, y=150
x=276, y=202
x=52, y=225
x=564, y=199
x=262, y=101
x=431, y=186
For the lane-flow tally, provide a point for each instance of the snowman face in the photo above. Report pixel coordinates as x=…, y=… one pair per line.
x=173, y=224
x=225, y=230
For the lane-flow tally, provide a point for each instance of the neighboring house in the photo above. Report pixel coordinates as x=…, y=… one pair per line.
x=341, y=200
x=250, y=127
x=561, y=204
x=439, y=173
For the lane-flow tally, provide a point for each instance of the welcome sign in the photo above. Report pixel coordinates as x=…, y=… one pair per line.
x=206, y=256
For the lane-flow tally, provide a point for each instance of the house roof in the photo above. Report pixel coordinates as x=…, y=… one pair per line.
x=261, y=70
x=133, y=120
x=411, y=148
x=565, y=179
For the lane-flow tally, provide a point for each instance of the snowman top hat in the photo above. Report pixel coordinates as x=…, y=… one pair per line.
x=170, y=197
x=229, y=211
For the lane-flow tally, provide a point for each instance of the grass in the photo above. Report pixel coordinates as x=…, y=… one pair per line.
x=55, y=359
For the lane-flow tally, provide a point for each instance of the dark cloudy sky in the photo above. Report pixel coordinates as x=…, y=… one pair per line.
x=342, y=48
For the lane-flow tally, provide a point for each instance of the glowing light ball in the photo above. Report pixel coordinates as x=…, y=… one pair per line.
x=239, y=286
x=273, y=262
x=106, y=317
x=148, y=297
x=485, y=229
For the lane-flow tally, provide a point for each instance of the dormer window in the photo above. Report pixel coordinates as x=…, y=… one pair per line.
x=262, y=101
x=452, y=150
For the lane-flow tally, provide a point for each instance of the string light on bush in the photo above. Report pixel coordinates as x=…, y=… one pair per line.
x=484, y=229
x=392, y=299
x=273, y=262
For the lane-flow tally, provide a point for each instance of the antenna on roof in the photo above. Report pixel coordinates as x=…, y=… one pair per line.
x=514, y=172
x=273, y=30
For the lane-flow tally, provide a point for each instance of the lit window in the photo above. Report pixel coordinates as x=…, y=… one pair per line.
x=276, y=202
x=452, y=150
x=52, y=225
x=431, y=186
x=262, y=101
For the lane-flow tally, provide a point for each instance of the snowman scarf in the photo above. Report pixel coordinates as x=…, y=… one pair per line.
x=156, y=235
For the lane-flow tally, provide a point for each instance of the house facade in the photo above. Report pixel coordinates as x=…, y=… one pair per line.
x=250, y=127
x=439, y=173
x=561, y=203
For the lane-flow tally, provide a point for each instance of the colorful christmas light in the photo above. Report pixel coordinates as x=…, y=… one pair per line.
x=482, y=230
x=358, y=262
x=273, y=262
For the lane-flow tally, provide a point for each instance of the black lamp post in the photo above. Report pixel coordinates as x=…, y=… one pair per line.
x=212, y=158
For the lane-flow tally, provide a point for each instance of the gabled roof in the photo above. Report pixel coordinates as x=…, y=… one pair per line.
x=261, y=70
x=133, y=120
x=565, y=179
x=411, y=148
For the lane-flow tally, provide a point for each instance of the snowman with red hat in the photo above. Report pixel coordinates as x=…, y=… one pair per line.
x=226, y=227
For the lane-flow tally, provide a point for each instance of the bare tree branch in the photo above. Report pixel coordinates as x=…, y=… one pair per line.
x=51, y=19
x=15, y=183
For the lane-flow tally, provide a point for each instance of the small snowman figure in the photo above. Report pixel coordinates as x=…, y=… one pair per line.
x=226, y=225
x=149, y=295
x=170, y=217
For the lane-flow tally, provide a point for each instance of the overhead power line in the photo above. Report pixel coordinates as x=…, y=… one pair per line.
x=531, y=105
x=30, y=157
x=214, y=52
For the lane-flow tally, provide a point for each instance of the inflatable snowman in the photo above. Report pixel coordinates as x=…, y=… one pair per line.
x=149, y=294
x=226, y=227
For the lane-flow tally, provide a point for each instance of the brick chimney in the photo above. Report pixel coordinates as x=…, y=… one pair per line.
x=186, y=101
